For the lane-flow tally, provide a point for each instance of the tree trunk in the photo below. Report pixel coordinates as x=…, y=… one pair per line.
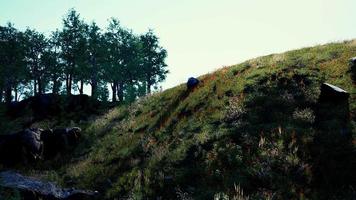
x=120, y=91
x=69, y=84
x=1, y=94
x=114, y=87
x=149, y=83
x=8, y=96
x=40, y=89
x=34, y=87
x=94, y=79
x=16, y=94
x=81, y=89
x=94, y=86
x=148, y=90
x=55, y=88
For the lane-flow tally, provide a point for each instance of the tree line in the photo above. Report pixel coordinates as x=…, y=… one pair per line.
x=80, y=54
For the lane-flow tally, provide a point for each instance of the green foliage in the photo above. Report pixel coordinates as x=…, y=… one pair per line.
x=12, y=66
x=80, y=54
x=36, y=56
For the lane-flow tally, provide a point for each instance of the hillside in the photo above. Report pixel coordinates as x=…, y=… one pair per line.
x=251, y=127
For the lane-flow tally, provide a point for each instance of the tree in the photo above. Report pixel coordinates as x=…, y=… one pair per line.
x=73, y=48
x=153, y=63
x=114, y=73
x=51, y=59
x=96, y=53
x=80, y=54
x=35, y=45
x=12, y=67
x=131, y=61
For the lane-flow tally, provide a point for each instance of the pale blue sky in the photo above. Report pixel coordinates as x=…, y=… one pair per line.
x=203, y=35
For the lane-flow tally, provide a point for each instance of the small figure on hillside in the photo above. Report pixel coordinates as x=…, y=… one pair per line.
x=353, y=69
x=192, y=82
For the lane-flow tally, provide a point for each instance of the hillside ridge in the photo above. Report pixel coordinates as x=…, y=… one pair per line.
x=253, y=127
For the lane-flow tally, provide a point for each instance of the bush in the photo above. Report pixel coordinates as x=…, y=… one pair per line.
x=305, y=115
x=234, y=111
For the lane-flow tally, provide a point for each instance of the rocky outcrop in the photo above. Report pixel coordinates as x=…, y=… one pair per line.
x=49, y=105
x=333, y=106
x=333, y=149
x=58, y=140
x=36, y=144
x=32, y=188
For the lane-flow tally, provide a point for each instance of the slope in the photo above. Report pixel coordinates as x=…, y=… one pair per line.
x=250, y=127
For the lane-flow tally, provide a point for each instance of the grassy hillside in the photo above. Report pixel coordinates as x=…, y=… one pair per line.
x=246, y=131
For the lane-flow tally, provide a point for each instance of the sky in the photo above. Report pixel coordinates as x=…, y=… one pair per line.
x=202, y=35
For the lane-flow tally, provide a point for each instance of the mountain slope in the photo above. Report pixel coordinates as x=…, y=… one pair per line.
x=247, y=127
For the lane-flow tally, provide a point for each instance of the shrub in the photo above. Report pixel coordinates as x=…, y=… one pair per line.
x=305, y=115
x=234, y=111
x=237, y=194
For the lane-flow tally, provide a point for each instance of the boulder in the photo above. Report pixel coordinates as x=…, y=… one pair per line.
x=332, y=93
x=41, y=106
x=82, y=103
x=45, y=105
x=333, y=152
x=31, y=143
x=192, y=83
x=57, y=140
x=23, y=146
x=33, y=188
x=333, y=109
x=36, y=144
x=16, y=109
x=11, y=150
x=48, y=105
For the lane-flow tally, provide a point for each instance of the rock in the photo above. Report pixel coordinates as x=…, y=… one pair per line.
x=36, y=144
x=332, y=113
x=16, y=109
x=48, y=105
x=32, y=144
x=11, y=150
x=41, y=106
x=57, y=140
x=70, y=135
x=45, y=105
x=23, y=146
x=82, y=103
x=35, y=188
x=333, y=105
x=332, y=148
x=192, y=82
x=331, y=93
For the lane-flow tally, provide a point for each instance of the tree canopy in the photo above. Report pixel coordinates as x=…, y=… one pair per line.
x=79, y=54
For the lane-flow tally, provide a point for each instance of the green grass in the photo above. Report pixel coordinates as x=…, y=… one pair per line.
x=249, y=125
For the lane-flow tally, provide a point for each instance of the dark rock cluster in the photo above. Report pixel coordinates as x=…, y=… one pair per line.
x=36, y=144
x=47, y=105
